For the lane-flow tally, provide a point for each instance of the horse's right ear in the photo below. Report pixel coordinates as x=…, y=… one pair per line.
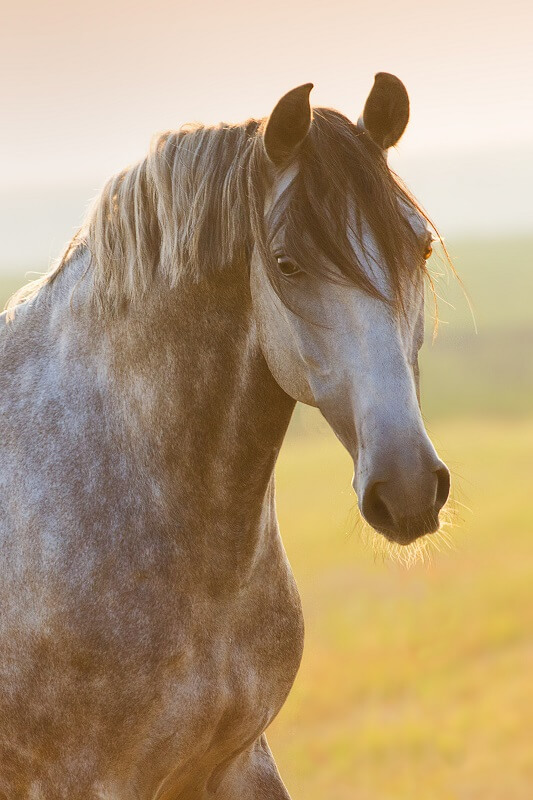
x=288, y=125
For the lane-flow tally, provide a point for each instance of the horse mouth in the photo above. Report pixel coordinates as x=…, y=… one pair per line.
x=408, y=529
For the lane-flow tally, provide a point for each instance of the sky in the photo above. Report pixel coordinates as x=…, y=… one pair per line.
x=84, y=86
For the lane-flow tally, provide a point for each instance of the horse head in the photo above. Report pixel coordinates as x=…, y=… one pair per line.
x=337, y=285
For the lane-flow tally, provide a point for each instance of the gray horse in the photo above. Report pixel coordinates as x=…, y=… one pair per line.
x=150, y=625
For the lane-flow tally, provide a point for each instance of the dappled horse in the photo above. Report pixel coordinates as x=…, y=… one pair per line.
x=150, y=627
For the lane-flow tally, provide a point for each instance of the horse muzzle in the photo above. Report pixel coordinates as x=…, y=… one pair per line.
x=404, y=505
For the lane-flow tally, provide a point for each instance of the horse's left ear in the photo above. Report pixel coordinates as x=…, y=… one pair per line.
x=288, y=125
x=386, y=111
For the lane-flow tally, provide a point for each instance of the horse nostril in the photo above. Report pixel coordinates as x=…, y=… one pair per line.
x=443, y=487
x=374, y=508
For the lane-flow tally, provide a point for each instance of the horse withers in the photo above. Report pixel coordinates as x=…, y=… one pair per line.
x=151, y=628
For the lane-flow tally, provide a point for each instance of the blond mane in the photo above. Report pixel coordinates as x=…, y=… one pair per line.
x=183, y=211
x=195, y=205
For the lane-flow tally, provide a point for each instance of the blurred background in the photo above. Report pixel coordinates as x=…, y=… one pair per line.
x=415, y=682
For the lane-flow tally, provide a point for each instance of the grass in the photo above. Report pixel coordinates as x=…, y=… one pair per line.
x=414, y=682
x=417, y=683
x=489, y=371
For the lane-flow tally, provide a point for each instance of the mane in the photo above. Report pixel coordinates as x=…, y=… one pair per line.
x=195, y=205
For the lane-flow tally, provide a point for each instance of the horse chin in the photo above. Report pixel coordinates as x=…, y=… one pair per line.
x=411, y=528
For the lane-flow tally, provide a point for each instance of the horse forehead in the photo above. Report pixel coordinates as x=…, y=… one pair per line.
x=414, y=218
x=283, y=180
x=280, y=185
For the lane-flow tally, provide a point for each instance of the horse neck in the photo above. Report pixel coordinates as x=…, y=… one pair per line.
x=198, y=406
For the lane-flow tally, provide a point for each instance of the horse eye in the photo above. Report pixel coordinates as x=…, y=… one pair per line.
x=287, y=267
x=428, y=251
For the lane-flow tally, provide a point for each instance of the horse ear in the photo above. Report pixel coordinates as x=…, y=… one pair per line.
x=288, y=125
x=386, y=111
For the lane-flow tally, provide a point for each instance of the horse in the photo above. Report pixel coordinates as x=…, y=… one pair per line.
x=151, y=628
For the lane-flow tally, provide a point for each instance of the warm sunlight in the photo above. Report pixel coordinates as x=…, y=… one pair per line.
x=232, y=338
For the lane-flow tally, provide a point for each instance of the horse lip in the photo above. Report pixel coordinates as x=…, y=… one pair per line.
x=411, y=529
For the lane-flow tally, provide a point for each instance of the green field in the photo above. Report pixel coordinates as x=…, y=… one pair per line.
x=491, y=371
x=418, y=683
